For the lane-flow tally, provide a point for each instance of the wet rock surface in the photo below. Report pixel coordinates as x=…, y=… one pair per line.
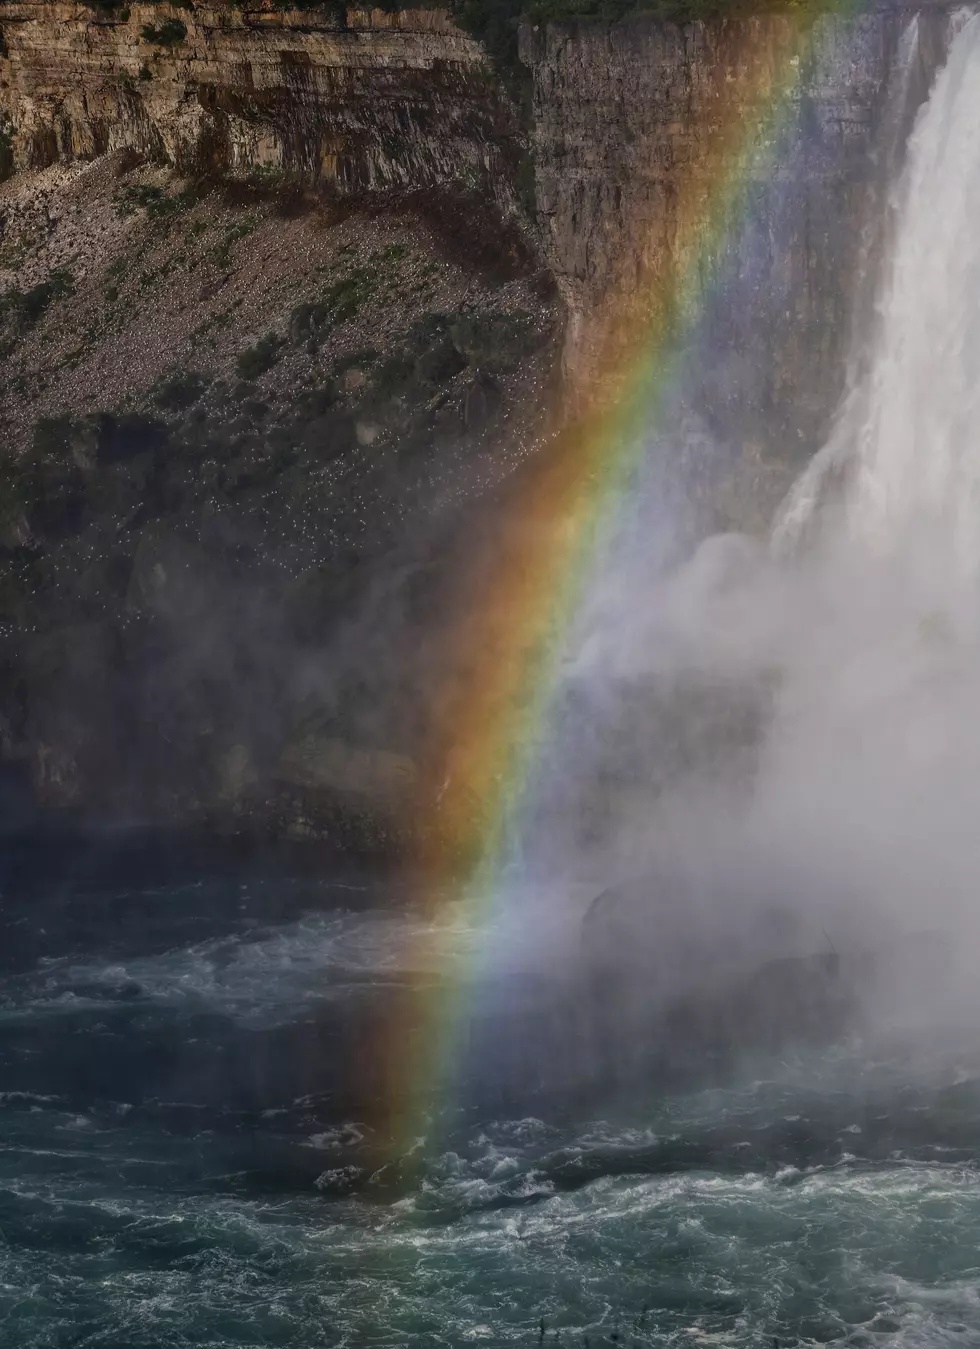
x=759, y=146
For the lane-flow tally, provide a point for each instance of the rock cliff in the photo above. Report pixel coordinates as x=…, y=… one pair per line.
x=277, y=312
x=357, y=101
x=635, y=126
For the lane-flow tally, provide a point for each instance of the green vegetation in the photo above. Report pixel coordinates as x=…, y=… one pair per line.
x=307, y=319
x=27, y=306
x=266, y=175
x=339, y=302
x=255, y=361
x=153, y=274
x=6, y=149
x=154, y=200
x=170, y=33
x=179, y=391
x=162, y=209
x=344, y=298
x=220, y=254
x=140, y=197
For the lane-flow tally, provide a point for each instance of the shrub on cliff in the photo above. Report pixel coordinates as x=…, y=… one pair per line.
x=255, y=361
x=312, y=319
x=170, y=33
x=6, y=148
x=179, y=391
x=27, y=306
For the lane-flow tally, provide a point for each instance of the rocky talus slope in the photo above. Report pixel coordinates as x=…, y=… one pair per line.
x=240, y=435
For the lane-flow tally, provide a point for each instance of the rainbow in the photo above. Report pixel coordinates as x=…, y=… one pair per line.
x=503, y=668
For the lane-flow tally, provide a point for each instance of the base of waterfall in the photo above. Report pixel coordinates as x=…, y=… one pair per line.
x=189, y=1154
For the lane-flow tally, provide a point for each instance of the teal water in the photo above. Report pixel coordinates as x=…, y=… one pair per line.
x=185, y=1158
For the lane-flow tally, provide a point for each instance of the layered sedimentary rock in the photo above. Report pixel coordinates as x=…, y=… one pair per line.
x=356, y=100
x=636, y=127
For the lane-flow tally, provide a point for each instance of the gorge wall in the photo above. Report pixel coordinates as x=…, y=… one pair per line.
x=278, y=313
x=631, y=123
x=635, y=125
x=353, y=100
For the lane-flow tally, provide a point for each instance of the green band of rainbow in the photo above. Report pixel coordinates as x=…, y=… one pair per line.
x=503, y=669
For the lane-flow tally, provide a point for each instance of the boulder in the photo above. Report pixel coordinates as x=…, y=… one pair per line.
x=481, y=402
x=499, y=341
x=685, y=977
x=172, y=578
x=318, y=762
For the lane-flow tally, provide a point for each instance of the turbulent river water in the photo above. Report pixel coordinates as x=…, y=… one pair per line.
x=186, y=1142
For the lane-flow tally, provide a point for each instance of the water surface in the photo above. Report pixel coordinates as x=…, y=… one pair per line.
x=188, y=1154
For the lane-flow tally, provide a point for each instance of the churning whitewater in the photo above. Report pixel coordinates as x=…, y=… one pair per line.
x=187, y=1151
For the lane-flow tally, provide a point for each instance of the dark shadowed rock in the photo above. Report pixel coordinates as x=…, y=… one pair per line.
x=172, y=577
x=675, y=991
x=481, y=402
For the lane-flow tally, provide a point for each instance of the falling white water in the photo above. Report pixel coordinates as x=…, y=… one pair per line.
x=907, y=442
x=799, y=729
x=855, y=802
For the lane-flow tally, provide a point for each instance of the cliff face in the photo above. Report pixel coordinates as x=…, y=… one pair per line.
x=360, y=101
x=635, y=126
x=247, y=423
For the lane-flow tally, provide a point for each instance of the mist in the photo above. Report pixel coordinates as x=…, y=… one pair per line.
x=770, y=748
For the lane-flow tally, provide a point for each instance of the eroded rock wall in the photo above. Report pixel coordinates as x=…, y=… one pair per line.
x=634, y=127
x=360, y=101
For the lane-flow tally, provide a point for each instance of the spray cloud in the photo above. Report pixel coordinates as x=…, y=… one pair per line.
x=838, y=778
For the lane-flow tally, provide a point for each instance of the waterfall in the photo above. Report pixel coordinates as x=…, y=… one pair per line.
x=870, y=774
x=805, y=726
x=905, y=453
